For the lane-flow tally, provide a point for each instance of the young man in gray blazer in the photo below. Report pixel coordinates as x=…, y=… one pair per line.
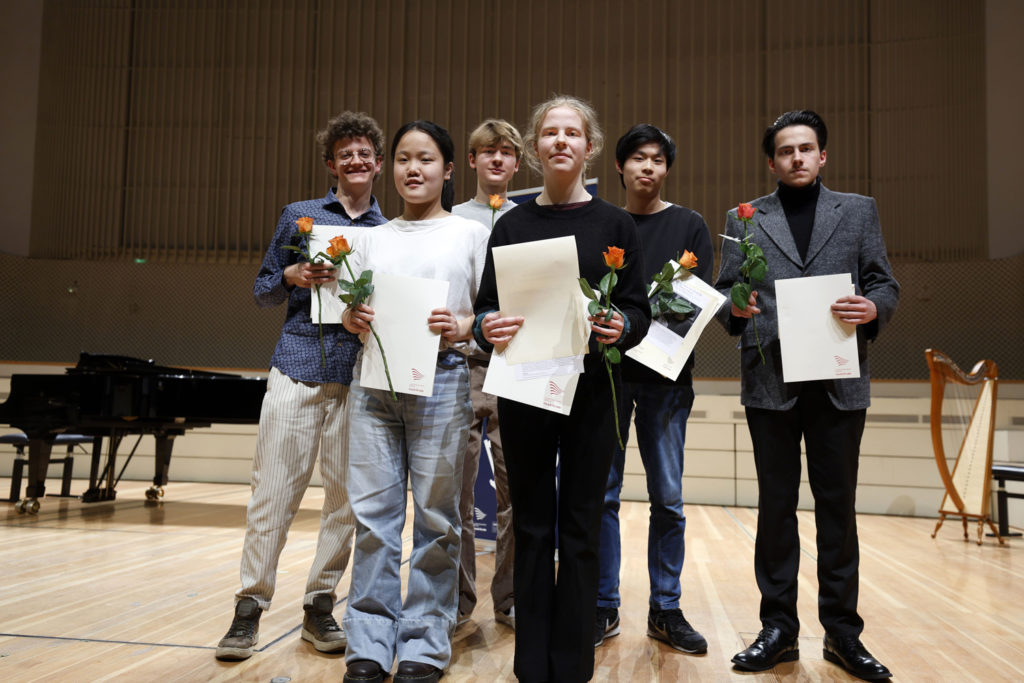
x=805, y=229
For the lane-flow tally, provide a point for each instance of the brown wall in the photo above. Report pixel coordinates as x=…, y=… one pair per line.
x=186, y=125
x=174, y=131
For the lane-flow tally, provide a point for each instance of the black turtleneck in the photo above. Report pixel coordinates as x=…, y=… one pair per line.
x=799, y=203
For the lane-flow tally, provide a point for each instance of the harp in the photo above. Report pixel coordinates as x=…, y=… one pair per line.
x=963, y=413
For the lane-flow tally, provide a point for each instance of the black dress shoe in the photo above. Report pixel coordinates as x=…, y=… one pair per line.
x=416, y=672
x=850, y=654
x=363, y=671
x=771, y=647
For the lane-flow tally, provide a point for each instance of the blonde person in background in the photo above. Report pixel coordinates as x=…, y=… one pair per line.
x=495, y=150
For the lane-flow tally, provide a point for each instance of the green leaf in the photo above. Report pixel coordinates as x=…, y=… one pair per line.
x=612, y=354
x=345, y=298
x=758, y=270
x=588, y=291
x=668, y=270
x=740, y=294
x=680, y=306
x=607, y=282
x=594, y=307
x=755, y=251
x=366, y=275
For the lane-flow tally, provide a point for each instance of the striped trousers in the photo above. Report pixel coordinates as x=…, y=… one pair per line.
x=297, y=420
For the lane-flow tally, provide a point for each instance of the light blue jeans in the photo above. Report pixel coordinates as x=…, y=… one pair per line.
x=661, y=414
x=418, y=442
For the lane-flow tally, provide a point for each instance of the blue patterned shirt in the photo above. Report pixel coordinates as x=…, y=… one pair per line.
x=298, y=350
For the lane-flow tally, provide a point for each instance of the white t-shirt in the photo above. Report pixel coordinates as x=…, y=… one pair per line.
x=450, y=248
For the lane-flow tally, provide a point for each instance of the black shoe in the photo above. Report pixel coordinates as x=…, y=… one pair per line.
x=319, y=626
x=606, y=625
x=850, y=654
x=417, y=672
x=771, y=647
x=243, y=635
x=670, y=626
x=363, y=671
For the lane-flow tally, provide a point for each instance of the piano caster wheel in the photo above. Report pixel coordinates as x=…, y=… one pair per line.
x=27, y=506
x=154, y=492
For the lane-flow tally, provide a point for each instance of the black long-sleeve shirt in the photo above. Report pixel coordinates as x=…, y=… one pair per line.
x=664, y=236
x=596, y=226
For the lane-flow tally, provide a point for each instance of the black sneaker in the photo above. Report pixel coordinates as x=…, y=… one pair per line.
x=319, y=626
x=243, y=635
x=670, y=626
x=606, y=625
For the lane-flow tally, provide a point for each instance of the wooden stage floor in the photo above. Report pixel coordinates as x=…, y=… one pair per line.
x=130, y=591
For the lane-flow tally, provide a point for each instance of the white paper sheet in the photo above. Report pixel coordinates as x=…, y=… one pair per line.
x=814, y=344
x=330, y=307
x=554, y=392
x=540, y=281
x=550, y=385
x=401, y=306
x=664, y=351
x=549, y=368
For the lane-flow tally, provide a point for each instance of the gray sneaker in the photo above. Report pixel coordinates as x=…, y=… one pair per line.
x=319, y=626
x=670, y=626
x=243, y=635
x=606, y=625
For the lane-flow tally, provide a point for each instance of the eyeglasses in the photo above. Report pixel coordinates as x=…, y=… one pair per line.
x=346, y=156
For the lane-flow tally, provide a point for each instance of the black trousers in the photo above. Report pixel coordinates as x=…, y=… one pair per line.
x=832, y=440
x=555, y=615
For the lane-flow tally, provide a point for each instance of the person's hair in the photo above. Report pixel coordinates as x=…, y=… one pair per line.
x=494, y=132
x=444, y=143
x=350, y=124
x=638, y=136
x=797, y=117
x=591, y=128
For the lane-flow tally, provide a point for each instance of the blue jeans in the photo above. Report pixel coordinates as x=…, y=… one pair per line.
x=421, y=442
x=661, y=414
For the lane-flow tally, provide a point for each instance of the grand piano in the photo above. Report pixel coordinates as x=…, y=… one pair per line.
x=107, y=396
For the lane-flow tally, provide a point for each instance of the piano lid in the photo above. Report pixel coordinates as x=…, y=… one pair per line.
x=105, y=362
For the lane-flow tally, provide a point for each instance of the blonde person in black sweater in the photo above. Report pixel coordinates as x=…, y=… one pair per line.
x=554, y=618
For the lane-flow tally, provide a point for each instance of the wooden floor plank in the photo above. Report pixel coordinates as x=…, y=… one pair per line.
x=137, y=591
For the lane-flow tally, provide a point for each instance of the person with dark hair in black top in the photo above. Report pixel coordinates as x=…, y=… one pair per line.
x=643, y=157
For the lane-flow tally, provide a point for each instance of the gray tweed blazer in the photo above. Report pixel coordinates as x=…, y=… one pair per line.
x=846, y=238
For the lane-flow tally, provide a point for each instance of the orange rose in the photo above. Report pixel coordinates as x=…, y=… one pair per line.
x=613, y=257
x=688, y=260
x=745, y=211
x=495, y=201
x=305, y=225
x=339, y=247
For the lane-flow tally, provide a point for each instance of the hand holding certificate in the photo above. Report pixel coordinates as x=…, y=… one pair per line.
x=538, y=281
x=814, y=344
x=401, y=306
x=548, y=384
x=663, y=350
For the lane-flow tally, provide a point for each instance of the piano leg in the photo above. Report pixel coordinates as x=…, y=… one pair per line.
x=164, y=445
x=38, y=463
x=98, y=489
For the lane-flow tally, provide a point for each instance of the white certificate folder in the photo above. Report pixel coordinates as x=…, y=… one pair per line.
x=815, y=345
x=401, y=306
x=664, y=351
